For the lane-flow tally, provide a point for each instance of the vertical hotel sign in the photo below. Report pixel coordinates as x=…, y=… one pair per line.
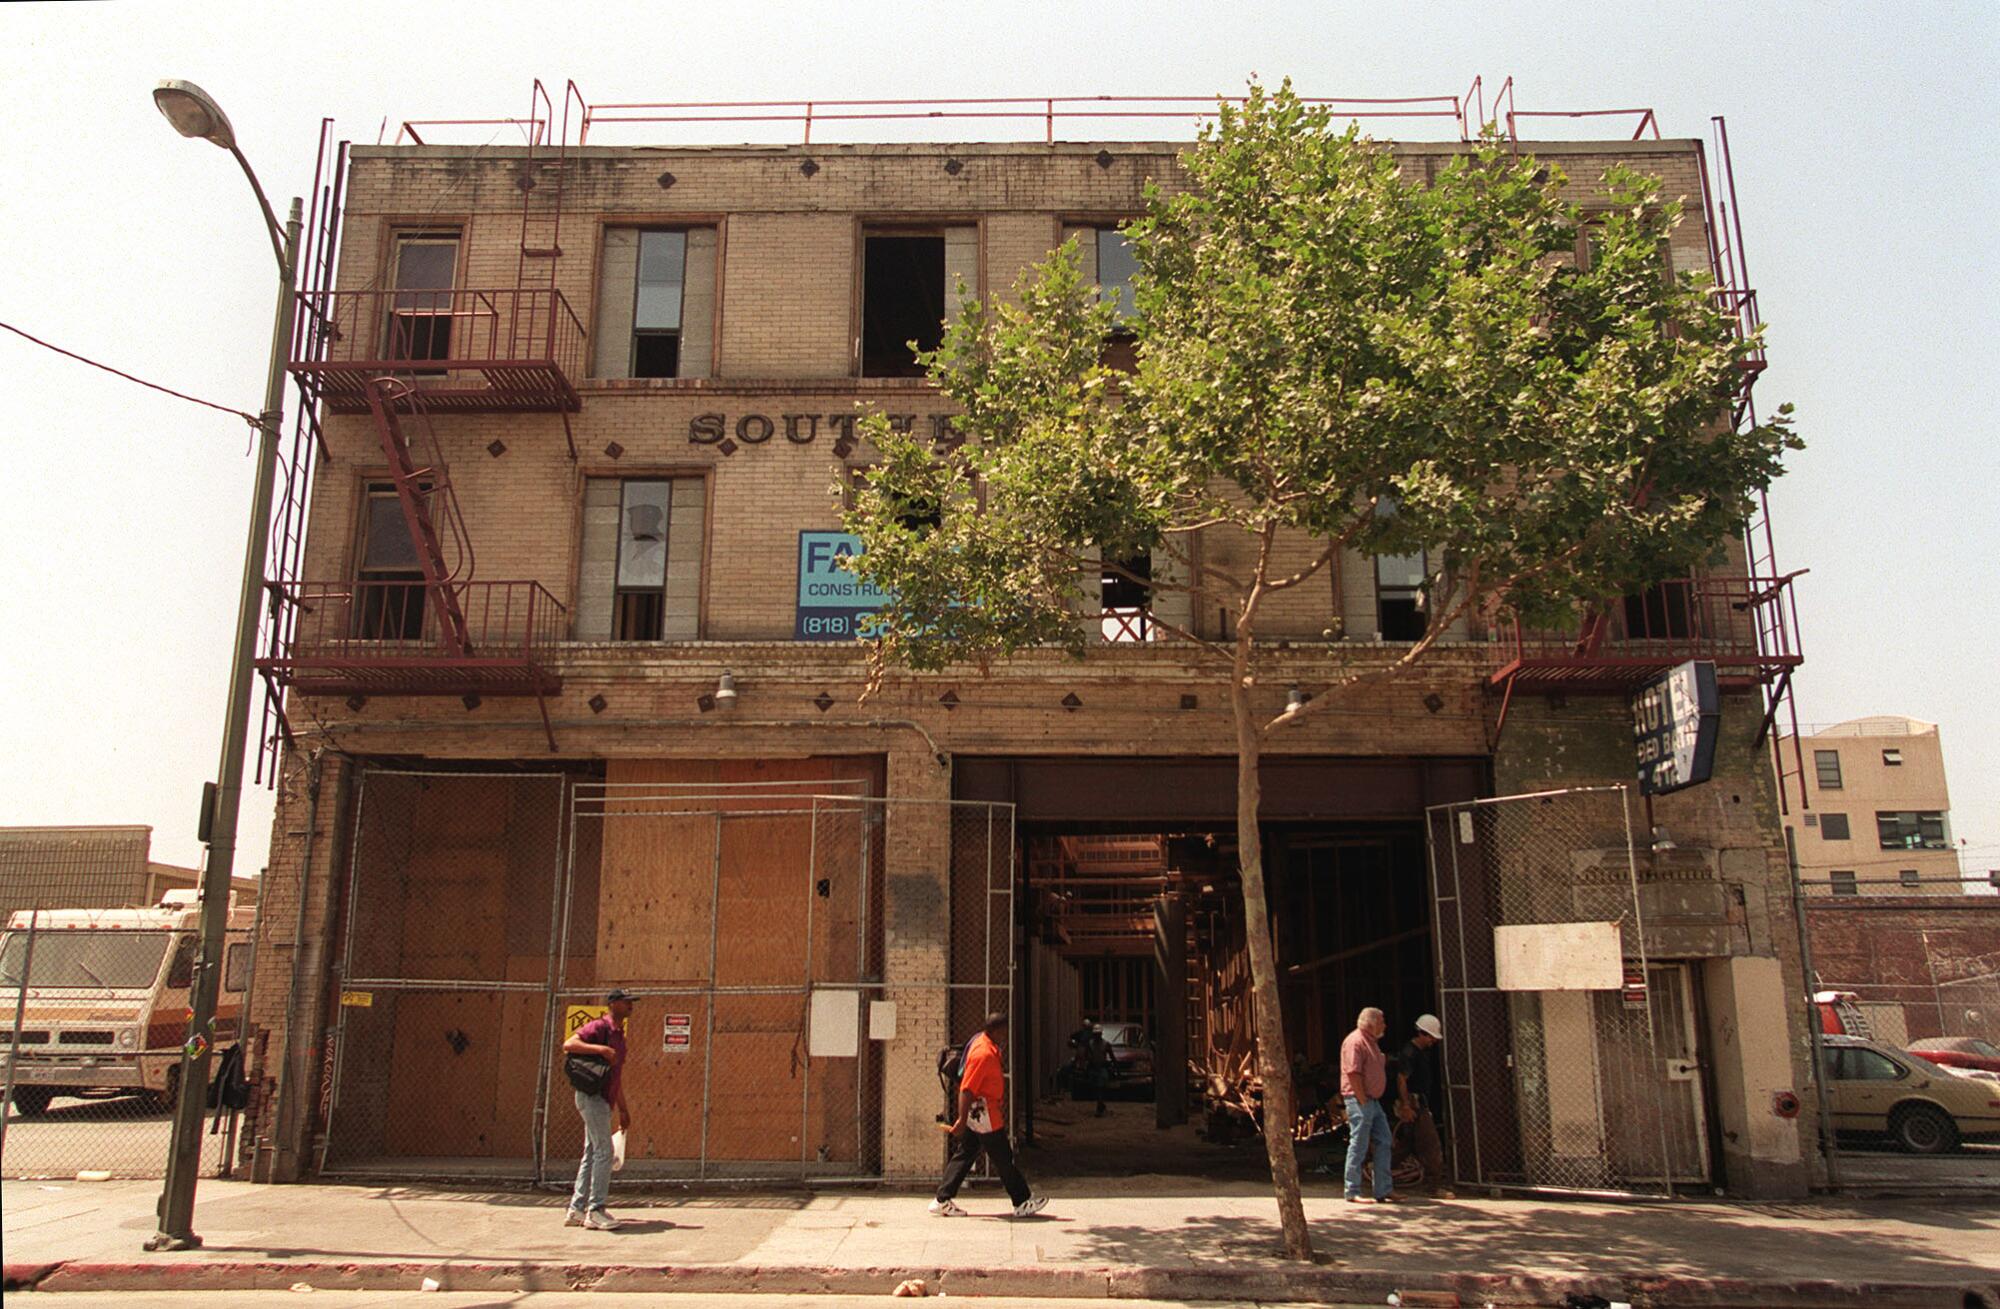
x=833, y=604
x=1676, y=718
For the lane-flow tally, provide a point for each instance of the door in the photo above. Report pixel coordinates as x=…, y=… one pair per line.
x=1650, y=1082
x=1674, y=1035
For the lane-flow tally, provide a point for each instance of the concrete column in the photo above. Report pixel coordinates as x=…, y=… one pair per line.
x=1170, y=983
x=1750, y=1055
x=915, y=960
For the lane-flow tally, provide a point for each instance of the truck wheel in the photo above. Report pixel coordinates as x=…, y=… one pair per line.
x=170, y=1095
x=33, y=1101
x=1923, y=1129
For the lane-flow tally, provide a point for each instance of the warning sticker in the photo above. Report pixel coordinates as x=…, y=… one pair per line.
x=354, y=1000
x=679, y=1036
x=576, y=1015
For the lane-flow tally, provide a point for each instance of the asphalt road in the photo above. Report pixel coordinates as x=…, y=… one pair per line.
x=125, y=1136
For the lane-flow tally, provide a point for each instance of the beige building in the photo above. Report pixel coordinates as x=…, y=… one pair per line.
x=91, y=867
x=1880, y=818
x=629, y=746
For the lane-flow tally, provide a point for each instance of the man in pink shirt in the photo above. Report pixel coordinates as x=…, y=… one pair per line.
x=1364, y=1076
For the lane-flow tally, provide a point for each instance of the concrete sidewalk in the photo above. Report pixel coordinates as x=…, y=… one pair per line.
x=1130, y=1238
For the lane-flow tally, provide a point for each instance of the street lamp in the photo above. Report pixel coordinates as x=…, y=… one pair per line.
x=194, y=114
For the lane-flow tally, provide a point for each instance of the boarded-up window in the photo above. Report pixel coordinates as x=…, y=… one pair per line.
x=642, y=559
x=656, y=303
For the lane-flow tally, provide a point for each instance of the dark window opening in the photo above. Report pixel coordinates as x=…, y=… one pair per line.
x=641, y=616
x=1908, y=877
x=1826, y=763
x=656, y=306
x=1912, y=831
x=1125, y=595
x=1664, y=612
x=641, y=601
x=1399, y=596
x=902, y=303
x=1843, y=883
x=656, y=354
x=389, y=584
x=1892, y=758
x=1833, y=827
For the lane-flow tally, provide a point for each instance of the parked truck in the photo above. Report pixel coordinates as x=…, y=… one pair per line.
x=108, y=992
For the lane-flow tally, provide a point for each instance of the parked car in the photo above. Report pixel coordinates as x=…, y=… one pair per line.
x=1959, y=1053
x=1876, y=1091
x=1131, y=1054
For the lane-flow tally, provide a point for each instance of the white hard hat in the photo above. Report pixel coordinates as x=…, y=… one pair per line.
x=1431, y=1027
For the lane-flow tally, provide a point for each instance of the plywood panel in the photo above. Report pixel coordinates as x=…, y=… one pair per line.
x=664, y=1091
x=756, y=1097
x=655, y=882
x=441, y=1098
x=762, y=913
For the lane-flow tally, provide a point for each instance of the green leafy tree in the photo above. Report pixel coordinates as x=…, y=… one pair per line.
x=1324, y=350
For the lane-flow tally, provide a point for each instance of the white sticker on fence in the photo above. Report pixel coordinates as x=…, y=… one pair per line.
x=881, y=1020
x=836, y=1025
x=677, y=1035
x=1558, y=957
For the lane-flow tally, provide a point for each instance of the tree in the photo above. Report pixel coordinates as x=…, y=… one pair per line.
x=1326, y=350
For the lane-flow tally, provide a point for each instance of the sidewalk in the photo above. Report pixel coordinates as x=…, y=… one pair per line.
x=1108, y=1238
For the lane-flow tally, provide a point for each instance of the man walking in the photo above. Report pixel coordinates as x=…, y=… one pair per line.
x=604, y=1038
x=980, y=1124
x=1418, y=1088
x=1363, y=1079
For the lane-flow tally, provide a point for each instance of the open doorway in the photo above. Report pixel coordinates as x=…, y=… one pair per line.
x=1137, y=1053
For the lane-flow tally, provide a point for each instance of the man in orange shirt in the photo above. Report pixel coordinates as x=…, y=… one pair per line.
x=981, y=1124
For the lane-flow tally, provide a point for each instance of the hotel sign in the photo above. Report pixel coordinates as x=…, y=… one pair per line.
x=1676, y=719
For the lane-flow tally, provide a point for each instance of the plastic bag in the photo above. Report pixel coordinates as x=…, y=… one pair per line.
x=618, y=1150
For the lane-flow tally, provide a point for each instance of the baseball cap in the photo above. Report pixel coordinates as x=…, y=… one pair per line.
x=619, y=993
x=1430, y=1026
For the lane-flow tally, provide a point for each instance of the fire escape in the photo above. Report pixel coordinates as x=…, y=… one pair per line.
x=407, y=358
x=1746, y=623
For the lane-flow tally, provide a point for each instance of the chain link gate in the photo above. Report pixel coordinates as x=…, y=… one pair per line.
x=1557, y=1089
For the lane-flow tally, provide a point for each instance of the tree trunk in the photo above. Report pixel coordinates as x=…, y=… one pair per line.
x=1274, y=1062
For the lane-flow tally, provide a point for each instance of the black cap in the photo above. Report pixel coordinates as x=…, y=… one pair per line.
x=618, y=994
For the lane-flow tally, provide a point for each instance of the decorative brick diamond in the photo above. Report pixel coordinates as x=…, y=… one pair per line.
x=1071, y=703
x=614, y=450
x=598, y=704
x=496, y=448
x=822, y=702
x=949, y=700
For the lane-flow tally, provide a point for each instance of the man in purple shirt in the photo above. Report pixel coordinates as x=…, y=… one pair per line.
x=605, y=1038
x=1364, y=1076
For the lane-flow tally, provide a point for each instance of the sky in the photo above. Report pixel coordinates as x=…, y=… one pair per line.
x=1865, y=170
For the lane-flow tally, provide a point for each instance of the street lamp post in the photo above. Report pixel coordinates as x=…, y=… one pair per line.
x=194, y=114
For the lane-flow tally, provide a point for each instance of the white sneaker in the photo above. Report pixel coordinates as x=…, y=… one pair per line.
x=600, y=1220
x=574, y=1218
x=1031, y=1206
x=946, y=1209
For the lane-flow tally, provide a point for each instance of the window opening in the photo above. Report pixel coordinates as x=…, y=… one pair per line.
x=1833, y=827
x=1843, y=883
x=902, y=302
x=389, y=584
x=1827, y=764
x=641, y=605
x=1892, y=758
x=1399, y=596
x=1116, y=265
x=1908, y=877
x=421, y=314
x=1905, y=830
x=656, y=311
x=1125, y=603
x=1662, y=612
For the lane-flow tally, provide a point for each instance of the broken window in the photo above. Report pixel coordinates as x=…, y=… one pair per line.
x=1826, y=764
x=1843, y=883
x=1833, y=827
x=389, y=582
x=642, y=559
x=656, y=303
x=1908, y=830
x=1125, y=596
x=1399, y=596
x=420, y=314
x=904, y=281
x=1662, y=612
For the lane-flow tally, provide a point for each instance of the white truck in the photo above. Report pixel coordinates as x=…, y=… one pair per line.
x=108, y=992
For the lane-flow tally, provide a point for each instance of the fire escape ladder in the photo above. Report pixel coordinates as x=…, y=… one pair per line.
x=426, y=497
x=542, y=199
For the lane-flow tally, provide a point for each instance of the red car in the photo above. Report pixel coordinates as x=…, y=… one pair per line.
x=1966, y=1053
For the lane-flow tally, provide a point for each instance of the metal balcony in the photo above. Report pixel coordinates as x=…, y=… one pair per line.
x=512, y=350
x=393, y=638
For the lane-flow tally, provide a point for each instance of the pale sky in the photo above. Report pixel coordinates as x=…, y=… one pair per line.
x=1865, y=167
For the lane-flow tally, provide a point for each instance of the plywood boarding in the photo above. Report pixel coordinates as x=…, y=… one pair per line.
x=656, y=881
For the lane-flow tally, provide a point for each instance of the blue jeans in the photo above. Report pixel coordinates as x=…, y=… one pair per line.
x=1368, y=1124
x=593, y=1175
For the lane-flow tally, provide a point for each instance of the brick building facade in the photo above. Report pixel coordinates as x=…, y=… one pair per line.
x=639, y=537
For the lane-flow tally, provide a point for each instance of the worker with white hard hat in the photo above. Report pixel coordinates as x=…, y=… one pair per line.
x=1416, y=1094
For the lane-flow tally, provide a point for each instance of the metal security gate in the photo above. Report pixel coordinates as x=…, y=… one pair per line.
x=1556, y=1081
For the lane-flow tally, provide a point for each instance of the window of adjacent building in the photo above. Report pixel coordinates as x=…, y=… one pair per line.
x=642, y=558
x=1909, y=877
x=656, y=303
x=1826, y=763
x=1115, y=269
x=420, y=314
x=1399, y=596
x=908, y=281
x=1843, y=883
x=236, y=966
x=1833, y=827
x=1906, y=830
x=1126, y=596
x=1893, y=758
x=388, y=582
x=1812, y=820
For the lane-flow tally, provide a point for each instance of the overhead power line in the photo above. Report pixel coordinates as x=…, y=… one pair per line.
x=119, y=372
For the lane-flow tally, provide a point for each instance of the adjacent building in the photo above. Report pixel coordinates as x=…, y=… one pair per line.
x=90, y=867
x=565, y=696
x=1880, y=821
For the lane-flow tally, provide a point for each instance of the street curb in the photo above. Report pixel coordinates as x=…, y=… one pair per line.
x=1212, y=1282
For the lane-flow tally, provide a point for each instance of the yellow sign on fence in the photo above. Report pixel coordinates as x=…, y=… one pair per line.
x=577, y=1015
x=357, y=999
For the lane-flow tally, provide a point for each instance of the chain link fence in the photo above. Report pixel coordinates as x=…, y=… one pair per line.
x=95, y=1002
x=1568, y=1054
x=1905, y=994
